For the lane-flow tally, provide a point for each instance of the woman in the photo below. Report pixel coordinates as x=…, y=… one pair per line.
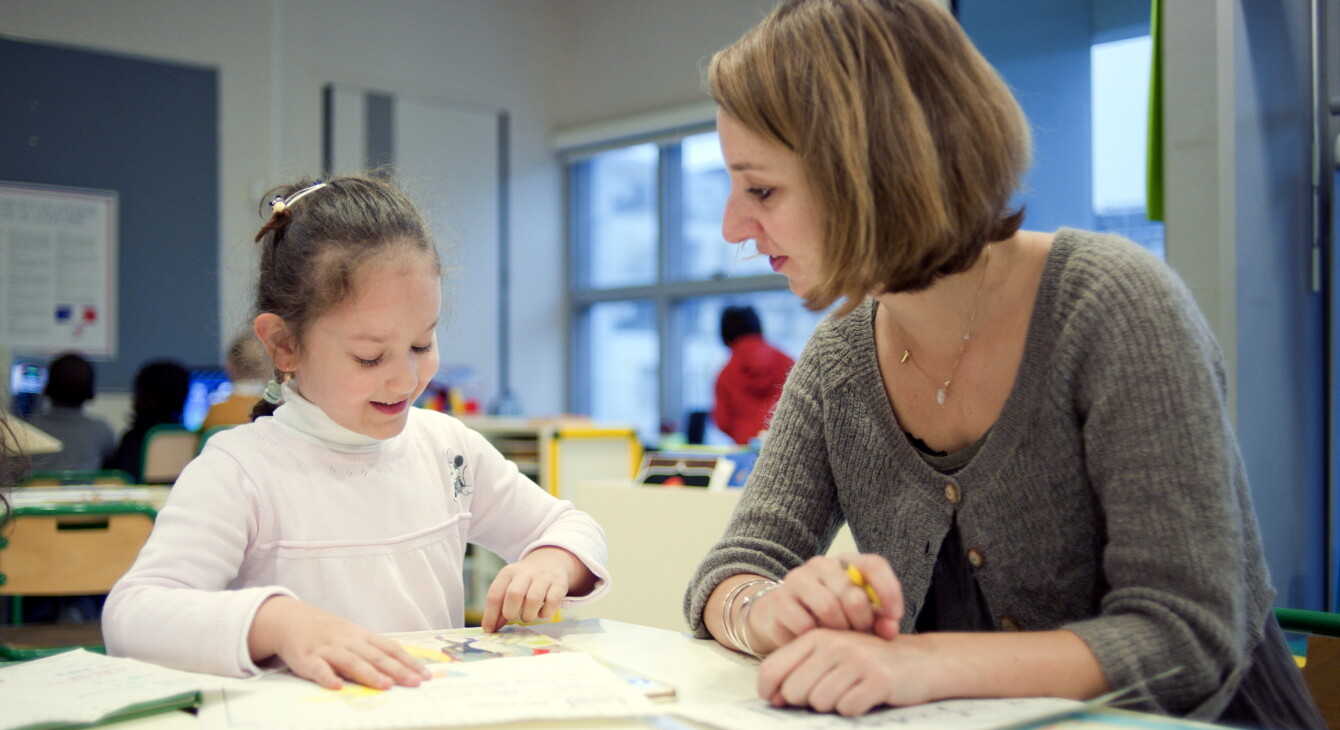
x=1026, y=432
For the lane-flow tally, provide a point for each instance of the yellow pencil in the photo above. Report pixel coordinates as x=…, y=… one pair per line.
x=859, y=580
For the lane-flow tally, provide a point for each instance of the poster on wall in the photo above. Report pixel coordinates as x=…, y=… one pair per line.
x=58, y=269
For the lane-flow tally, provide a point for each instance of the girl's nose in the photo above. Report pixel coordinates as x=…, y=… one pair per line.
x=404, y=378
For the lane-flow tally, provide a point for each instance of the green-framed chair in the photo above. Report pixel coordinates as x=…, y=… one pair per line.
x=65, y=550
x=61, y=477
x=1321, y=665
x=166, y=451
x=205, y=434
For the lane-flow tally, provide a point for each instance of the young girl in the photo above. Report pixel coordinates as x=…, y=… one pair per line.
x=344, y=512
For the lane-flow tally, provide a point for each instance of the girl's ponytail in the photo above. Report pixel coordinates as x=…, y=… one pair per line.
x=273, y=397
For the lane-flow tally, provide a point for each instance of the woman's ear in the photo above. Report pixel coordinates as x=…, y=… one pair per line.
x=274, y=334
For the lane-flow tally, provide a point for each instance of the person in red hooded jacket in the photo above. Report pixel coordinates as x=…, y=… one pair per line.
x=749, y=385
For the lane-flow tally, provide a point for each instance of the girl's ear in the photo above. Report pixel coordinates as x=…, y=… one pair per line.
x=274, y=334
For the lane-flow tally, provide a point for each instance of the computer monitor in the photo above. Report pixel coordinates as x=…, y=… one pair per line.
x=27, y=380
x=208, y=385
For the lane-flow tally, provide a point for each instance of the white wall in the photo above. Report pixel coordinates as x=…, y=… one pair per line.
x=551, y=63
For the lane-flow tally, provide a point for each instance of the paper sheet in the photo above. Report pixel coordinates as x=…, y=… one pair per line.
x=82, y=687
x=947, y=715
x=563, y=685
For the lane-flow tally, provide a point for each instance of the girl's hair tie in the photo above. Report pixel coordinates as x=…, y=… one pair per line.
x=274, y=394
x=281, y=204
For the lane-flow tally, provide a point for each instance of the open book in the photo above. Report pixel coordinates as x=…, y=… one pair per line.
x=478, y=678
x=80, y=687
x=474, y=644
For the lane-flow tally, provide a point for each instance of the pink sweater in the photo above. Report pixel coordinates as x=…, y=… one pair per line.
x=374, y=533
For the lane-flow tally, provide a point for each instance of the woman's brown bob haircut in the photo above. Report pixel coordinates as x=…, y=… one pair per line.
x=911, y=143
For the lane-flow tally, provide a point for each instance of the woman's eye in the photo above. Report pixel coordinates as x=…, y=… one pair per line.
x=760, y=193
x=423, y=348
x=368, y=363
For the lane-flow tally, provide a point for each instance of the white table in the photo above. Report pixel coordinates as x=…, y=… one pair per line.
x=700, y=671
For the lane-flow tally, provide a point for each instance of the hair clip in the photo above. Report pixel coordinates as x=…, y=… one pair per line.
x=281, y=204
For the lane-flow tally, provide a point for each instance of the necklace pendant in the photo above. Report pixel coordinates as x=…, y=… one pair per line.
x=940, y=396
x=906, y=354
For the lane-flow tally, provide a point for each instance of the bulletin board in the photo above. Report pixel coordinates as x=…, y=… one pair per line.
x=83, y=121
x=58, y=281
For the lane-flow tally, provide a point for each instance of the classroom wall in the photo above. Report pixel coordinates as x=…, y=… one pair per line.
x=1236, y=197
x=550, y=64
x=1282, y=383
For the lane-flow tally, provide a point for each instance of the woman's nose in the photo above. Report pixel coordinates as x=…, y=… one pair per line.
x=737, y=226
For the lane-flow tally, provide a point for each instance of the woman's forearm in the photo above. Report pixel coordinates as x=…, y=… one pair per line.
x=1027, y=664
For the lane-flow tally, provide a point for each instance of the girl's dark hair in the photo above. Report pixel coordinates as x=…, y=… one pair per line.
x=312, y=248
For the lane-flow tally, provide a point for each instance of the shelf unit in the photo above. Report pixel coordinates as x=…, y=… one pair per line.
x=559, y=455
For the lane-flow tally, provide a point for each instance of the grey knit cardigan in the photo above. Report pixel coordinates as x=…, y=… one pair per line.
x=1109, y=499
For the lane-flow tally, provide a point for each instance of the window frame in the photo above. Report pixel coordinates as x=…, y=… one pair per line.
x=667, y=291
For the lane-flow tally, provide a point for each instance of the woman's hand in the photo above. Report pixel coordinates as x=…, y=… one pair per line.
x=534, y=587
x=848, y=673
x=851, y=673
x=323, y=647
x=820, y=595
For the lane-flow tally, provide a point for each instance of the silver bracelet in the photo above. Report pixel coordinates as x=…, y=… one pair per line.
x=743, y=629
x=727, y=604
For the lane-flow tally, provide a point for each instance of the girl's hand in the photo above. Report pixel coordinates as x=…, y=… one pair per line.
x=848, y=673
x=820, y=595
x=323, y=647
x=534, y=587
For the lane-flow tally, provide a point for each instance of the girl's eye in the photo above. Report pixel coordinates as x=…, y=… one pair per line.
x=423, y=348
x=760, y=193
x=369, y=363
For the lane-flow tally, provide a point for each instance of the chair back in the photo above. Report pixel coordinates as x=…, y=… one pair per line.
x=59, y=477
x=167, y=450
x=71, y=549
x=1321, y=668
x=205, y=434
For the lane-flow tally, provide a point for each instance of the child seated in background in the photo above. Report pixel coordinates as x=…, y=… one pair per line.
x=86, y=441
x=160, y=390
x=342, y=512
x=247, y=368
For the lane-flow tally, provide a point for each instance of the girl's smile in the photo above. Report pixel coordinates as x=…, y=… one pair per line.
x=390, y=409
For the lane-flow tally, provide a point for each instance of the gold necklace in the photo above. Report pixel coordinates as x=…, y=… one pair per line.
x=942, y=391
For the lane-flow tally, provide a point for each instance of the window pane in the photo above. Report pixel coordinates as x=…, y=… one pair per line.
x=787, y=325
x=622, y=360
x=619, y=217
x=1120, y=95
x=706, y=254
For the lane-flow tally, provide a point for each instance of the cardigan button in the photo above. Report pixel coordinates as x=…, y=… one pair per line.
x=1009, y=623
x=951, y=493
x=976, y=558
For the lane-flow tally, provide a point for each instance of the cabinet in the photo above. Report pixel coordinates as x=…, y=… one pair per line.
x=657, y=537
x=558, y=454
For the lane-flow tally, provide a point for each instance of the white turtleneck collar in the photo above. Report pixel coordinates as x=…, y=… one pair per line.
x=306, y=419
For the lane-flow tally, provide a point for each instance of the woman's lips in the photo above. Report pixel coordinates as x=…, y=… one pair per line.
x=776, y=262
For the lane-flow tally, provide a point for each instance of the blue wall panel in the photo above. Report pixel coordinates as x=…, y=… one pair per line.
x=1281, y=383
x=1041, y=47
x=149, y=131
